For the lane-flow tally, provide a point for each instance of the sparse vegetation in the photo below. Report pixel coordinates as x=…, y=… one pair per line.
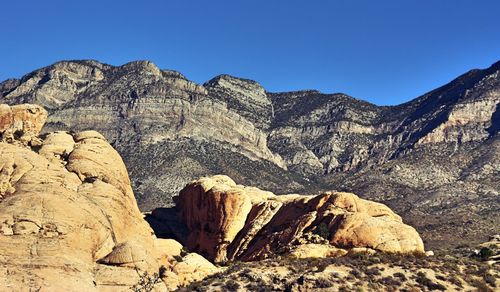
x=485, y=253
x=425, y=281
x=323, y=231
x=360, y=272
x=231, y=285
x=147, y=282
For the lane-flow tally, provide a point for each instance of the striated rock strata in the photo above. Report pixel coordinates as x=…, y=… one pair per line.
x=434, y=159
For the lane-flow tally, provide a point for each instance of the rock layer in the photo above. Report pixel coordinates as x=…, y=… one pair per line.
x=227, y=221
x=436, y=155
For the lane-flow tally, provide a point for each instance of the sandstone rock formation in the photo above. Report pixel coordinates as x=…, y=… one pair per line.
x=433, y=159
x=68, y=217
x=21, y=123
x=226, y=221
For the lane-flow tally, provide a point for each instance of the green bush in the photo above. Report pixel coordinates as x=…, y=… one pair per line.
x=231, y=285
x=485, y=253
x=323, y=231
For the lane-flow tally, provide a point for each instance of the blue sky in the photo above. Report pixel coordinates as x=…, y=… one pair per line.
x=386, y=52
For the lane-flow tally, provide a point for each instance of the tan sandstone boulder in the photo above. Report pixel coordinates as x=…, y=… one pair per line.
x=68, y=217
x=21, y=122
x=227, y=221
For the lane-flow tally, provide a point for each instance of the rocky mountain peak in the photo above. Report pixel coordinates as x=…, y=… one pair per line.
x=225, y=79
x=173, y=74
x=141, y=66
x=239, y=88
x=443, y=143
x=245, y=96
x=55, y=85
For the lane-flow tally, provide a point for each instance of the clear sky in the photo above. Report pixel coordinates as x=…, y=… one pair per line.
x=384, y=51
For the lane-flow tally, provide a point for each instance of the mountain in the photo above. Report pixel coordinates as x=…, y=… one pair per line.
x=435, y=160
x=67, y=208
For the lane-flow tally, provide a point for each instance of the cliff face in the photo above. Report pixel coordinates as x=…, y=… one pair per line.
x=421, y=157
x=226, y=221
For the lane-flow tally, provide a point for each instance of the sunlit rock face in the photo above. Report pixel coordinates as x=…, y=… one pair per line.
x=69, y=220
x=226, y=221
x=433, y=155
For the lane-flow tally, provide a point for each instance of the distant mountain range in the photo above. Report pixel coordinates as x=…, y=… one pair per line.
x=435, y=160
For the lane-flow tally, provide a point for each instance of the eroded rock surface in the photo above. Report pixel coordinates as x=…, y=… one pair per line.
x=21, y=123
x=68, y=217
x=227, y=221
x=433, y=159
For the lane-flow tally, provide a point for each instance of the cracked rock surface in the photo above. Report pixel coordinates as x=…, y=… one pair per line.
x=435, y=160
x=68, y=217
x=226, y=221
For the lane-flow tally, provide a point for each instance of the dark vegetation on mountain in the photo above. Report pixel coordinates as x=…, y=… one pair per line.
x=435, y=160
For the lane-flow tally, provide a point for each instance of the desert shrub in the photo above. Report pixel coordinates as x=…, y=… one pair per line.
x=247, y=273
x=401, y=276
x=18, y=134
x=146, y=282
x=481, y=286
x=390, y=281
x=451, y=266
x=419, y=255
x=485, y=253
x=322, y=230
x=323, y=283
x=390, y=257
x=257, y=287
x=198, y=287
x=184, y=251
x=277, y=280
x=231, y=285
x=454, y=280
x=490, y=279
x=178, y=258
x=356, y=273
x=375, y=286
x=424, y=281
x=234, y=266
x=372, y=271
x=359, y=256
x=350, y=277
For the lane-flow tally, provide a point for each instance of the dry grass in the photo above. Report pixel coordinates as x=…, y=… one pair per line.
x=358, y=272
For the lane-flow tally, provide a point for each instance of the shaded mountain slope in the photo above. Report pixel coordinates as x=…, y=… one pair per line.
x=435, y=157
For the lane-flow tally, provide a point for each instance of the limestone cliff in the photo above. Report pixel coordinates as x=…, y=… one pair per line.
x=433, y=156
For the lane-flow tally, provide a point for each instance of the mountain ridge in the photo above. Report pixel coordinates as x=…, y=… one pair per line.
x=93, y=62
x=171, y=130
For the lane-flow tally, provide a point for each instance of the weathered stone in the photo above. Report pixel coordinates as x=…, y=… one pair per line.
x=68, y=217
x=438, y=150
x=193, y=267
x=21, y=122
x=227, y=222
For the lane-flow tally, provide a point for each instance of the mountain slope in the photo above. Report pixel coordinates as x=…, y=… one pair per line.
x=434, y=159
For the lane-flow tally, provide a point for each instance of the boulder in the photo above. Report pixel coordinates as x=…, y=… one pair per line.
x=314, y=250
x=168, y=247
x=227, y=221
x=214, y=210
x=21, y=122
x=69, y=220
x=193, y=267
